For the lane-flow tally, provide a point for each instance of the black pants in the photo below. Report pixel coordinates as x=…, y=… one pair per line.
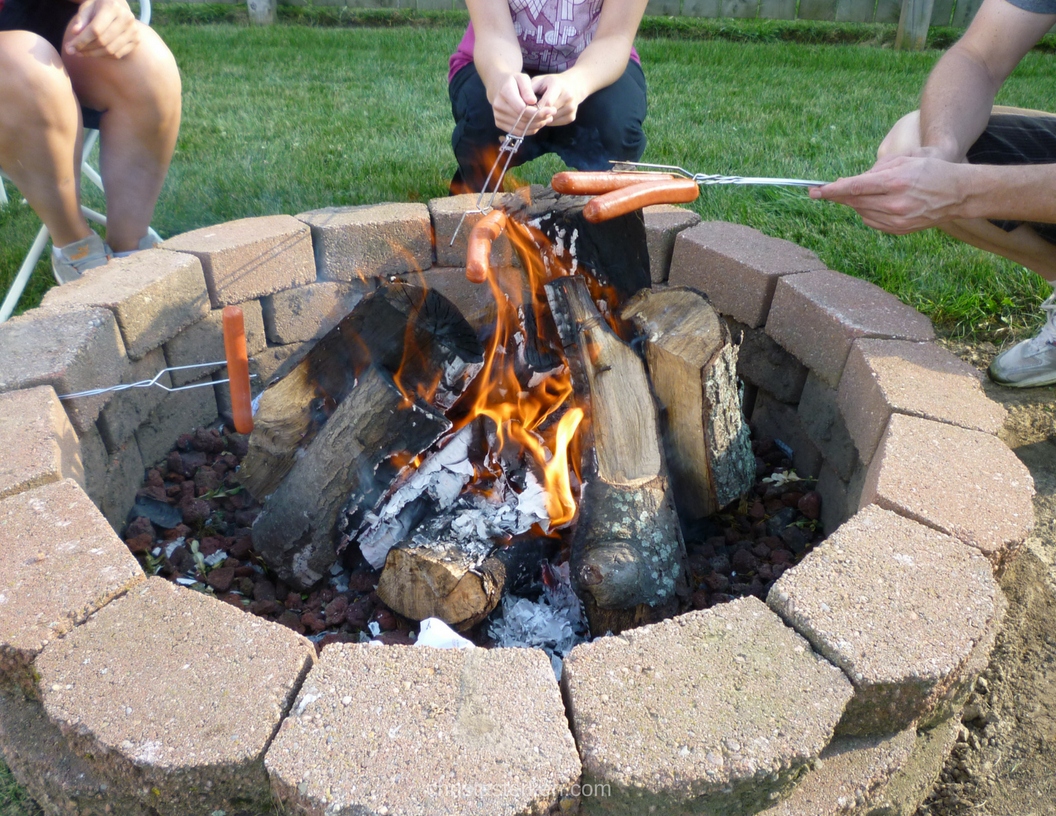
x=1018, y=139
x=608, y=127
x=47, y=19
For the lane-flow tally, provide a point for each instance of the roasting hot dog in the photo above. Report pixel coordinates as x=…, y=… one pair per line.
x=629, y=199
x=238, y=369
x=486, y=230
x=583, y=183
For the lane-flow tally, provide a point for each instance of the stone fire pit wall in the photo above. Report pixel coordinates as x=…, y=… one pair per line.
x=840, y=694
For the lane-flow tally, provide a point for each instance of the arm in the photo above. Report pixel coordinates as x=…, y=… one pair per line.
x=931, y=184
x=601, y=63
x=102, y=28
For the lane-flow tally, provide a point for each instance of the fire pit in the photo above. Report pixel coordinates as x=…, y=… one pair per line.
x=162, y=700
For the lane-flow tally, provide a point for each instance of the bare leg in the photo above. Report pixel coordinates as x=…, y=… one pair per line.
x=140, y=98
x=40, y=133
x=1022, y=245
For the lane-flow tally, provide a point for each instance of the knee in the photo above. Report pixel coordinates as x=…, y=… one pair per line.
x=35, y=91
x=903, y=137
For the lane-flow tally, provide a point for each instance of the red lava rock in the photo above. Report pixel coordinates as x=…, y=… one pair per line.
x=765, y=572
x=698, y=563
x=313, y=622
x=335, y=611
x=773, y=542
x=174, y=462
x=206, y=480
x=795, y=539
x=362, y=582
x=183, y=441
x=233, y=599
x=173, y=491
x=761, y=550
x=757, y=510
x=138, y=526
x=154, y=478
x=144, y=542
x=730, y=535
x=773, y=504
x=810, y=505
x=238, y=444
x=720, y=598
x=245, y=571
x=294, y=601
x=211, y=544
x=221, y=578
x=358, y=613
x=195, y=512
x=192, y=460
x=700, y=599
x=292, y=620
x=157, y=493
x=337, y=637
x=243, y=584
x=263, y=590
x=743, y=560
x=395, y=638
x=717, y=582
x=783, y=557
x=207, y=440
x=182, y=560
x=245, y=518
x=384, y=617
x=266, y=608
x=240, y=548
x=791, y=499
x=778, y=570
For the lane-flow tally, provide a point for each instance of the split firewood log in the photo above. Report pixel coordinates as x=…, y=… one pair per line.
x=693, y=368
x=628, y=561
x=416, y=335
x=295, y=531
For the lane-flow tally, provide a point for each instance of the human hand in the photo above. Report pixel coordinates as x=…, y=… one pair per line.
x=516, y=103
x=901, y=194
x=103, y=28
x=560, y=92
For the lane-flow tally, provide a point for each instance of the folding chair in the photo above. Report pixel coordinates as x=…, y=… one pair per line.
x=40, y=243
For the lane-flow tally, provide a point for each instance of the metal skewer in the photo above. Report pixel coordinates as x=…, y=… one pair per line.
x=154, y=381
x=510, y=145
x=706, y=179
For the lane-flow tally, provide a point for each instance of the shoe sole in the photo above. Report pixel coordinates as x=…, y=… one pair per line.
x=1049, y=379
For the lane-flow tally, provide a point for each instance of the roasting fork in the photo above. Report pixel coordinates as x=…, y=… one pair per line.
x=510, y=145
x=706, y=179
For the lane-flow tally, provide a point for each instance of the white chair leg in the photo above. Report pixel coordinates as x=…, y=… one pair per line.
x=22, y=278
x=3, y=193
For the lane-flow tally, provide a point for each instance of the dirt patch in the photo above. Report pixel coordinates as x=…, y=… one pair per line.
x=1003, y=762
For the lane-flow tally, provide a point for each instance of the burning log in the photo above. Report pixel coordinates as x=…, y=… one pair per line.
x=416, y=335
x=693, y=368
x=294, y=532
x=628, y=557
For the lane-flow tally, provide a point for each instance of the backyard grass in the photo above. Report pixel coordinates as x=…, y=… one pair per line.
x=298, y=117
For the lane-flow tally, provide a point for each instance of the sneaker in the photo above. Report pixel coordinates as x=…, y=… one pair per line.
x=71, y=261
x=148, y=241
x=1032, y=362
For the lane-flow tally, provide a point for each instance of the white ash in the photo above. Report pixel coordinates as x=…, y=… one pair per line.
x=554, y=623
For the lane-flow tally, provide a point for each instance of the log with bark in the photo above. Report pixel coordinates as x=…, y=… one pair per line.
x=295, y=530
x=693, y=368
x=410, y=332
x=628, y=560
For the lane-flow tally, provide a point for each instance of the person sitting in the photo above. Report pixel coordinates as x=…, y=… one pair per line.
x=570, y=64
x=87, y=62
x=982, y=174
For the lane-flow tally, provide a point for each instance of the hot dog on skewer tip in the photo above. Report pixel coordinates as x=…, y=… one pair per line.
x=484, y=232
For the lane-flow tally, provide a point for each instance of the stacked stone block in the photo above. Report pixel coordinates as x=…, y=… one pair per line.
x=836, y=369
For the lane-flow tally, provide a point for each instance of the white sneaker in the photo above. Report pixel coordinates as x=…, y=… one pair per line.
x=1032, y=362
x=71, y=261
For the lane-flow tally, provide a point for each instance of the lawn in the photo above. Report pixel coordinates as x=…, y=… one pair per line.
x=298, y=117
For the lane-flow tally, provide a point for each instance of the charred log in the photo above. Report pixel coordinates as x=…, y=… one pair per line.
x=414, y=334
x=693, y=368
x=449, y=581
x=295, y=530
x=628, y=557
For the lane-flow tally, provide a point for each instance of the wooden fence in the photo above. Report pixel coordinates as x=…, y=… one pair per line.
x=943, y=12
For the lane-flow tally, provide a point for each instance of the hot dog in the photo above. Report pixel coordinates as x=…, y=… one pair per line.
x=486, y=230
x=577, y=183
x=238, y=369
x=629, y=199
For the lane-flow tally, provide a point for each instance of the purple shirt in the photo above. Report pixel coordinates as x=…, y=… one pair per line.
x=552, y=34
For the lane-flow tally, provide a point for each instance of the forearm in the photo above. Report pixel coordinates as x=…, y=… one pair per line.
x=955, y=105
x=601, y=63
x=496, y=59
x=1015, y=193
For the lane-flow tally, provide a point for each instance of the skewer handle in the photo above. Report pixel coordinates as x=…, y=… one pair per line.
x=238, y=369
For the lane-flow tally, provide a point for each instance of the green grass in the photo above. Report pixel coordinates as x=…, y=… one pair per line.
x=296, y=117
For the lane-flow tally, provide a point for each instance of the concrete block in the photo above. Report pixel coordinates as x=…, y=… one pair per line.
x=824, y=425
x=816, y=316
x=309, y=312
x=247, y=259
x=115, y=492
x=446, y=214
x=737, y=267
x=129, y=409
x=903, y=641
x=72, y=350
x=663, y=223
x=474, y=301
x=919, y=379
x=762, y=362
x=774, y=419
x=176, y=716
x=966, y=483
x=717, y=711
x=204, y=342
x=96, y=460
x=453, y=731
x=359, y=243
x=153, y=294
x=59, y=563
x=181, y=412
x=38, y=441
